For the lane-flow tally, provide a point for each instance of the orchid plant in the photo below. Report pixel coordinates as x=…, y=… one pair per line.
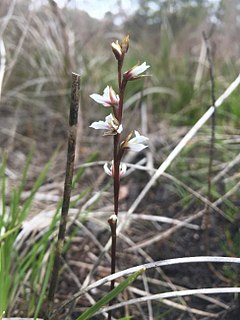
x=112, y=125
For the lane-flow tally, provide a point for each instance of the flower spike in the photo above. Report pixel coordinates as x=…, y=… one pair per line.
x=108, y=99
x=111, y=125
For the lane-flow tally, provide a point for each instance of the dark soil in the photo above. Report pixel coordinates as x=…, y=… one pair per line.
x=182, y=243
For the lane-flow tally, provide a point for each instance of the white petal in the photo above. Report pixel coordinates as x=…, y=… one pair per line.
x=123, y=169
x=113, y=218
x=116, y=47
x=98, y=98
x=139, y=69
x=120, y=129
x=136, y=147
x=104, y=99
x=109, y=118
x=113, y=97
x=107, y=170
x=106, y=92
x=99, y=125
x=141, y=139
x=138, y=138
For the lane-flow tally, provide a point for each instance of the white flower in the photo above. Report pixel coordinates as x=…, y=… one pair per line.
x=111, y=125
x=135, y=144
x=117, y=50
x=113, y=219
x=108, y=99
x=135, y=72
x=109, y=171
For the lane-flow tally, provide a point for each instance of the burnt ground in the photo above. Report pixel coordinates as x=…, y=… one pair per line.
x=185, y=242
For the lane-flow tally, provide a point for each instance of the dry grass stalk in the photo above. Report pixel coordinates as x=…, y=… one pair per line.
x=73, y=119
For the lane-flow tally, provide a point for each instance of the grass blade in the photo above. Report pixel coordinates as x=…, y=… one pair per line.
x=111, y=295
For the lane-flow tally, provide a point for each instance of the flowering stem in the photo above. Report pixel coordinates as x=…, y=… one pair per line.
x=116, y=164
x=121, y=96
x=113, y=225
x=113, y=125
x=116, y=177
x=120, y=63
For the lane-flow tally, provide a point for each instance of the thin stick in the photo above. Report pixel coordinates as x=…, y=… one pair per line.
x=2, y=64
x=113, y=225
x=206, y=221
x=73, y=118
x=174, y=294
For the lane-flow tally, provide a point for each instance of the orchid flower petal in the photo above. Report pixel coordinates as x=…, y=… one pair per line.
x=138, y=138
x=117, y=50
x=136, y=143
x=136, y=147
x=120, y=129
x=99, y=125
x=139, y=69
x=109, y=171
x=135, y=72
x=108, y=99
x=110, y=124
x=123, y=169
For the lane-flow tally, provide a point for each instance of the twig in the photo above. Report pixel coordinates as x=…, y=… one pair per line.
x=201, y=65
x=173, y=294
x=188, y=309
x=149, y=305
x=73, y=118
x=206, y=222
x=2, y=64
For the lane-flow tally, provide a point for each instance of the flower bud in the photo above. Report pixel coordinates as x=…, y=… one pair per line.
x=125, y=44
x=119, y=50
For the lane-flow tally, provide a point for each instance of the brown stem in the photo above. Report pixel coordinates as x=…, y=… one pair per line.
x=116, y=178
x=73, y=119
x=113, y=225
x=120, y=64
x=213, y=118
x=121, y=97
x=206, y=222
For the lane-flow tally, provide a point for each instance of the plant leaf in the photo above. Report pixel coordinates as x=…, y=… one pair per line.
x=109, y=296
